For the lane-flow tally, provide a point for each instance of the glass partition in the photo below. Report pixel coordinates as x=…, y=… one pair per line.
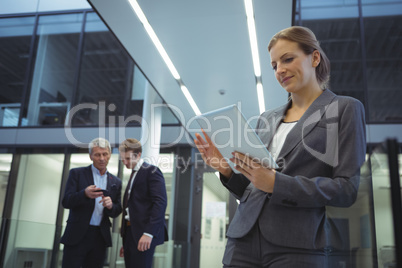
x=362, y=41
x=336, y=26
x=5, y=166
x=135, y=103
x=214, y=219
x=140, y=90
x=35, y=205
x=55, y=64
x=383, y=42
x=15, y=45
x=352, y=235
x=87, y=73
x=104, y=76
x=365, y=231
x=383, y=207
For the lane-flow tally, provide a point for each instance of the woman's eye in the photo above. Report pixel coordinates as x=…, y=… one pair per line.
x=288, y=60
x=274, y=68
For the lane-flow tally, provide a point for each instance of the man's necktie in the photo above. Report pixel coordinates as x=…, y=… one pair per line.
x=125, y=204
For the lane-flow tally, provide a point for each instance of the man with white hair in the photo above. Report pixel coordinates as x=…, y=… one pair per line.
x=93, y=195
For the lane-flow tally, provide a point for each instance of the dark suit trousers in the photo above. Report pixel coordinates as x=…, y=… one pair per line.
x=133, y=258
x=89, y=253
x=253, y=251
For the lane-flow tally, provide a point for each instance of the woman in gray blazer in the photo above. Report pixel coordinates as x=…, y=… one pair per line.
x=318, y=140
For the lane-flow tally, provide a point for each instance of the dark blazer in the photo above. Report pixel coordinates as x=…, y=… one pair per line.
x=81, y=207
x=319, y=166
x=147, y=205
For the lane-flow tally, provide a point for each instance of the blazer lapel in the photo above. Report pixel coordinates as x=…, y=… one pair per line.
x=109, y=182
x=89, y=175
x=90, y=181
x=269, y=123
x=138, y=176
x=307, y=122
x=278, y=117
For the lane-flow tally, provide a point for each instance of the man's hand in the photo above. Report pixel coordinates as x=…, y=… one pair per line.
x=93, y=192
x=144, y=243
x=121, y=252
x=107, y=202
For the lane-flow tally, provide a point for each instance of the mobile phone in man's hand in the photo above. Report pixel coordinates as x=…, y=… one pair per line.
x=105, y=192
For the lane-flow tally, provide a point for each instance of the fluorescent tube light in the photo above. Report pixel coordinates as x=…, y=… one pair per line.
x=253, y=36
x=190, y=100
x=260, y=95
x=141, y=16
x=248, y=4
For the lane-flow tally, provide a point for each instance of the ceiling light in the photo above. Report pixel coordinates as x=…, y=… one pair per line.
x=190, y=100
x=254, y=52
x=141, y=16
x=253, y=36
x=260, y=95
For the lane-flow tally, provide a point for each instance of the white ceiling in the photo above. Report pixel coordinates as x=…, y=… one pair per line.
x=208, y=43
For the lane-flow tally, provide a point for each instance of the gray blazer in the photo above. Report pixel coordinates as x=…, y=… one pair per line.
x=319, y=166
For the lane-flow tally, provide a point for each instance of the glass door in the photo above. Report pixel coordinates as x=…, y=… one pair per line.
x=5, y=166
x=32, y=225
x=214, y=219
x=387, y=203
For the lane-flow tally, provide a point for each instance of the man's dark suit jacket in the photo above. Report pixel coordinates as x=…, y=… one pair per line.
x=147, y=205
x=81, y=207
x=318, y=166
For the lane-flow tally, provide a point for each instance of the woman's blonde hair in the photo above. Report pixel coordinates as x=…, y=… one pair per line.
x=307, y=42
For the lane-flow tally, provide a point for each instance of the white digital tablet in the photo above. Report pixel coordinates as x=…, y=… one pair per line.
x=229, y=131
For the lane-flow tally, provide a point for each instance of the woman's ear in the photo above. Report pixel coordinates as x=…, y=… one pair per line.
x=316, y=58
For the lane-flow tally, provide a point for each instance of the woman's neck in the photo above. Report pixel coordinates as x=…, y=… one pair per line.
x=303, y=100
x=300, y=104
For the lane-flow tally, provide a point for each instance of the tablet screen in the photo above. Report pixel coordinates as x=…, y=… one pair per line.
x=229, y=131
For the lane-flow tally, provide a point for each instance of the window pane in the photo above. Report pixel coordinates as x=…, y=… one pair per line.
x=215, y=215
x=135, y=103
x=55, y=67
x=329, y=9
x=339, y=34
x=15, y=42
x=104, y=74
x=383, y=212
x=5, y=166
x=36, y=201
x=383, y=40
x=340, y=40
